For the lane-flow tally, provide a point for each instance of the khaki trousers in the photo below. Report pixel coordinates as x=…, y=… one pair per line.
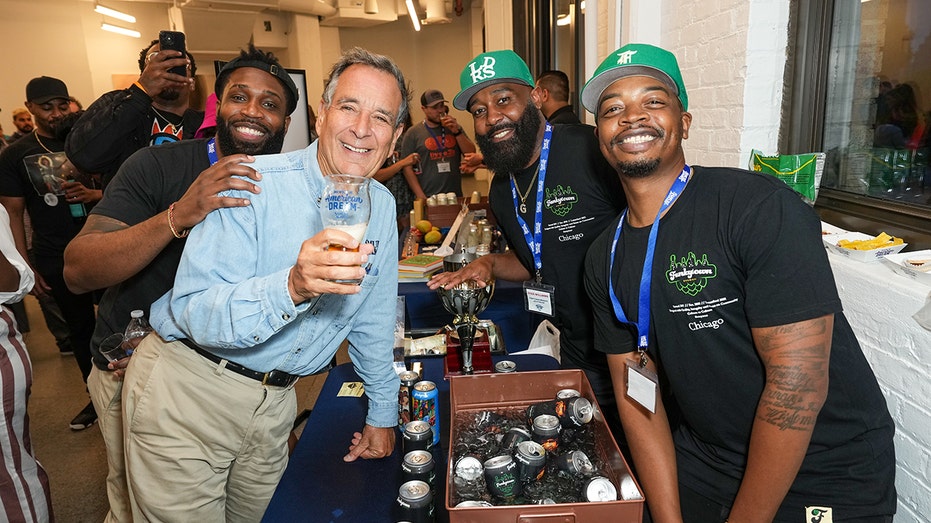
x=202, y=443
x=106, y=394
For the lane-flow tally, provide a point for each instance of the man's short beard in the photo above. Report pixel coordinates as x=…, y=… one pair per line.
x=229, y=145
x=637, y=169
x=169, y=95
x=516, y=152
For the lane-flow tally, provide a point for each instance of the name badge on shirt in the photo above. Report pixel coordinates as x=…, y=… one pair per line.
x=641, y=385
x=442, y=167
x=538, y=298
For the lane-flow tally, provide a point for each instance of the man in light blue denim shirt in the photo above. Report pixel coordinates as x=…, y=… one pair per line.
x=209, y=402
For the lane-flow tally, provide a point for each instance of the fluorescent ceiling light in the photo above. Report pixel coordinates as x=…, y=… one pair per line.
x=413, y=12
x=120, y=30
x=113, y=13
x=562, y=20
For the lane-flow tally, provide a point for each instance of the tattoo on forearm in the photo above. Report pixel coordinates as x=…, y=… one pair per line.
x=797, y=363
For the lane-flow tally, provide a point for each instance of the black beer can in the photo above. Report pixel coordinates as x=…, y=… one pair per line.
x=419, y=465
x=572, y=412
x=425, y=406
x=531, y=461
x=513, y=436
x=575, y=462
x=408, y=379
x=417, y=435
x=546, y=431
x=501, y=476
x=415, y=502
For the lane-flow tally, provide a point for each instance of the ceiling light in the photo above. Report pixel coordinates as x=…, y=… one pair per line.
x=562, y=20
x=113, y=13
x=371, y=7
x=413, y=12
x=120, y=30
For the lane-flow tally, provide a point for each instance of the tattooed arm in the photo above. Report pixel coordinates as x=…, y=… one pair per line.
x=796, y=358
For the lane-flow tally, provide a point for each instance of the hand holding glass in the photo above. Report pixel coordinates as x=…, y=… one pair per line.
x=345, y=206
x=114, y=347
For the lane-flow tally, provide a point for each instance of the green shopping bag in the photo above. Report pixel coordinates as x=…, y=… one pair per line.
x=801, y=172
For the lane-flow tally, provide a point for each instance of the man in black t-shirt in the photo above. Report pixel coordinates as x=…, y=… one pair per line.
x=715, y=286
x=36, y=177
x=154, y=110
x=579, y=197
x=157, y=196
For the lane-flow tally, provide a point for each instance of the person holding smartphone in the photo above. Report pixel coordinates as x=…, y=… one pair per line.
x=154, y=110
x=440, y=142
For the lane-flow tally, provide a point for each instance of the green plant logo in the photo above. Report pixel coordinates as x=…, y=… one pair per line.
x=559, y=200
x=690, y=274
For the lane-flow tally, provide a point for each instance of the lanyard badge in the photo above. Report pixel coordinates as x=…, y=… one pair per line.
x=641, y=382
x=538, y=296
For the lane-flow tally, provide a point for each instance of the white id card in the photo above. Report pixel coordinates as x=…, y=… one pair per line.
x=442, y=167
x=641, y=385
x=538, y=298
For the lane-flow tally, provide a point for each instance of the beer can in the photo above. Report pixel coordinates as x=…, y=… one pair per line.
x=416, y=167
x=513, y=436
x=629, y=488
x=546, y=431
x=575, y=462
x=505, y=366
x=531, y=461
x=473, y=504
x=469, y=468
x=567, y=393
x=425, y=406
x=599, y=488
x=417, y=435
x=572, y=412
x=501, y=476
x=419, y=465
x=408, y=379
x=415, y=502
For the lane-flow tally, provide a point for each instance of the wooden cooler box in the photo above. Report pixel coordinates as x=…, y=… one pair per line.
x=501, y=391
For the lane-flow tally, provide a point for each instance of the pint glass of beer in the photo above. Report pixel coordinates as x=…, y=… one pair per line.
x=346, y=206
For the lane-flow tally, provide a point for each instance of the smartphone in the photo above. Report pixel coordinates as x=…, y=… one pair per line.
x=173, y=40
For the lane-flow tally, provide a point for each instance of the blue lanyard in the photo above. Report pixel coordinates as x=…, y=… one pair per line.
x=535, y=240
x=441, y=144
x=643, y=309
x=212, y=151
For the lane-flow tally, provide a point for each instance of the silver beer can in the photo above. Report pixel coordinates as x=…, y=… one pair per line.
x=599, y=488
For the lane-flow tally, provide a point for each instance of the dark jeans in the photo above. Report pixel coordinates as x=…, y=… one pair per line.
x=77, y=309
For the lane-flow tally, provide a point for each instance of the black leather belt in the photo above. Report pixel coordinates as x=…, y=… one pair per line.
x=275, y=378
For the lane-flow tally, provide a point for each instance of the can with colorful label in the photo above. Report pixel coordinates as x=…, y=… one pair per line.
x=425, y=406
x=408, y=379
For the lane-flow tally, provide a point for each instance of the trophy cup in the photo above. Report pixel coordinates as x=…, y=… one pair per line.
x=465, y=301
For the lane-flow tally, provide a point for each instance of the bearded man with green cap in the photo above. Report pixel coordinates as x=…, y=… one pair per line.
x=714, y=288
x=552, y=194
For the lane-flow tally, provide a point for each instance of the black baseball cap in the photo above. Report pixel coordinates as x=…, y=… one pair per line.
x=44, y=89
x=273, y=69
x=431, y=97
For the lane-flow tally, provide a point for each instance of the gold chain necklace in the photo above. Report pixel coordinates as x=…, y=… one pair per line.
x=43, y=145
x=523, y=197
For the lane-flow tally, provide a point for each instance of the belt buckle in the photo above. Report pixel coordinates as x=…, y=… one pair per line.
x=265, y=378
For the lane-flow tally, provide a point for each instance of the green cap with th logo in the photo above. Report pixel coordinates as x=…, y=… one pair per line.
x=635, y=60
x=493, y=67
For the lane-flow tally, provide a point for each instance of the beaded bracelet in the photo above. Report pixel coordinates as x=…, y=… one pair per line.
x=171, y=224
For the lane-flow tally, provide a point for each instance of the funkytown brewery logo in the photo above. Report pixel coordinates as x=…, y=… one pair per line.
x=690, y=274
x=559, y=200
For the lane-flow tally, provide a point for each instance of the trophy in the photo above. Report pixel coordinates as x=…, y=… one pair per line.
x=465, y=301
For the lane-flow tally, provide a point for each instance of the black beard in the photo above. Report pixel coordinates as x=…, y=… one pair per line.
x=169, y=95
x=637, y=169
x=229, y=145
x=516, y=152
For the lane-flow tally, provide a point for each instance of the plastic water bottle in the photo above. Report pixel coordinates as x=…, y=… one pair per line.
x=137, y=329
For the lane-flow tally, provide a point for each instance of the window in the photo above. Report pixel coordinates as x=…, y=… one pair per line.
x=859, y=89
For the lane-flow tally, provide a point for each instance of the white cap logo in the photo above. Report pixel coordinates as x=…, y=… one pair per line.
x=625, y=57
x=484, y=71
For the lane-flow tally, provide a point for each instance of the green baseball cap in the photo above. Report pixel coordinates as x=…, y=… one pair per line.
x=635, y=60
x=489, y=68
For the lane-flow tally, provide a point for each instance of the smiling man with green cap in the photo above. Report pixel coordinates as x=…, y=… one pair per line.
x=552, y=194
x=716, y=280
